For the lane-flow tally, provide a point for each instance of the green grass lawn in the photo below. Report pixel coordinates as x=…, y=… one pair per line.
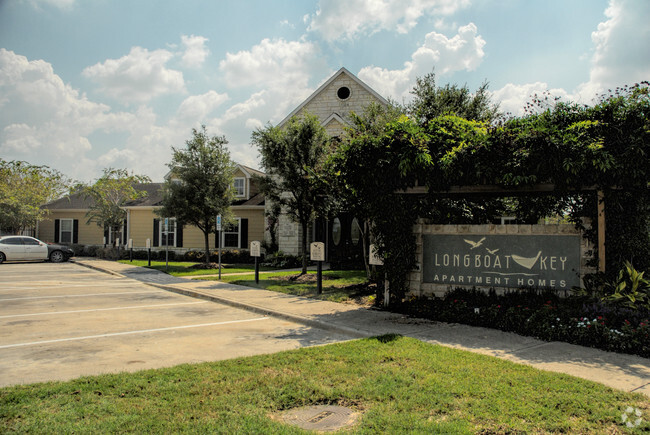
x=400, y=385
x=184, y=268
x=336, y=284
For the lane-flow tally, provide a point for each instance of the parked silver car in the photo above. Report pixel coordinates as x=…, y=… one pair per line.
x=23, y=248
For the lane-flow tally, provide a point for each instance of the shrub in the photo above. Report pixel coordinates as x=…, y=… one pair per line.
x=281, y=260
x=542, y=314
x=234, y=256
x=629, y=289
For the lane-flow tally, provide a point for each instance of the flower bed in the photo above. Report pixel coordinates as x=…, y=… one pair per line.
x=543, y=315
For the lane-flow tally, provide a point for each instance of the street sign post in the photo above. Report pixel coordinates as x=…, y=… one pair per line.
x=219, y=241
x=376, y=260
x=317, y=254
x=256, y=252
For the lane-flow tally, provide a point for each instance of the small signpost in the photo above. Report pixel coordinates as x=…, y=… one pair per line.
x=130, y=245
x=376, y=260
x=148, y=245
x=219, y=241
x=256, y=251
x=317, y=253
x=166, y=231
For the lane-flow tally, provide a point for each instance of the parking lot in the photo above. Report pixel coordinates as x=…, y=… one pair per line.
x=61, y=321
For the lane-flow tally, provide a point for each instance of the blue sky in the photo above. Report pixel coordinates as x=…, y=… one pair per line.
x=89, y=84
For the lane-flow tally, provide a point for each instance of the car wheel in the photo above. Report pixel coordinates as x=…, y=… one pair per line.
x=57, y=257
x=2, y=258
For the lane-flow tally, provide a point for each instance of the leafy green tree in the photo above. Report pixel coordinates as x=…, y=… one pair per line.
x=109, y=194
x=430, y=101
x=576, y=149
x=24, y=188
x=201, y=185
x=344, y=165
x=293, y=159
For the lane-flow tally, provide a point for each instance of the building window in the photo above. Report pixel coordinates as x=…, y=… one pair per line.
x=168, y=235
x=231, y=235
x=66, y=228
x=355, y=232
x=240, y=187
x=336, y=231
x=343, y=93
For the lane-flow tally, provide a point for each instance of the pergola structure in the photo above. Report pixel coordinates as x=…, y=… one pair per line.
x=536, y=189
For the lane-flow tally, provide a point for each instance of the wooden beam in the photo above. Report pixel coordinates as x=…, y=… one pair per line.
x=601, y=231
x=490, y=189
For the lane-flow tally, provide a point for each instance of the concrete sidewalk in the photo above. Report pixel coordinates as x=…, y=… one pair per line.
x=621, y=371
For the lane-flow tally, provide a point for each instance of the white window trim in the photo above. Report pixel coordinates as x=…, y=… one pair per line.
x=243, y=195
x=61, y=230
x=161, y=227
x=223, y=236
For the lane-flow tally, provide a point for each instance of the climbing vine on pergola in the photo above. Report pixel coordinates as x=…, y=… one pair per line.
x=554, y=158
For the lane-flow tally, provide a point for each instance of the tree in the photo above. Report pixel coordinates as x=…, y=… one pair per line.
x=293, y=158
x=109, y=194
x=201, y=186
x=431, y=101
x=24, y=188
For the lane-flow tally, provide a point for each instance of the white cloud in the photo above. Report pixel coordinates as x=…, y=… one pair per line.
x=281, y=69
x=348, y=19
x=622, y=48
x=137, y=77
x=61, y=4
x=195, y=51
x=50, y=123
x=513, y=98
x=464, y=51
x=621, y=56
x=272, y=63
x=198, y=107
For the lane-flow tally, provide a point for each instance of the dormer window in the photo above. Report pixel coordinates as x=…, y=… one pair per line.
x=240, y=187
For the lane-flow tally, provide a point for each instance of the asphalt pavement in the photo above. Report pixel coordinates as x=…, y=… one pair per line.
x=625, y=372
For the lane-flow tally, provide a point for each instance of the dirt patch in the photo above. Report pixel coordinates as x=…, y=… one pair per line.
x=300, y=279
x=203, y=266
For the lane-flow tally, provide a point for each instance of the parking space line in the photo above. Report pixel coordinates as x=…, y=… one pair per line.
x=101, y=309
x=144, y=331
x=80, y=296
x=50, y=285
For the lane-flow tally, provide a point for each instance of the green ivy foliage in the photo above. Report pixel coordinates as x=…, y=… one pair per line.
x=576, y=148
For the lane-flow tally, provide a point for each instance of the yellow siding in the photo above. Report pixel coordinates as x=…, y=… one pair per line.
x=193, y=238
x=141, y=228
x=88, y=234
x=255, y=224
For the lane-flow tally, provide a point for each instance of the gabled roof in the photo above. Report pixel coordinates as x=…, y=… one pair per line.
x=77, y=201
x=245, y=169
x=256, y=200
x=324, y=86
x=333, y=116
x=250, y=171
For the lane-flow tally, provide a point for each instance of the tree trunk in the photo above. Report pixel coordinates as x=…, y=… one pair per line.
x=304, y=247
x=206, y=240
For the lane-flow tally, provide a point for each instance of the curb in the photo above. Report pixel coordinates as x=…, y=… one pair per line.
x=99, y=269
x=244, y=306
x=265, y=311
